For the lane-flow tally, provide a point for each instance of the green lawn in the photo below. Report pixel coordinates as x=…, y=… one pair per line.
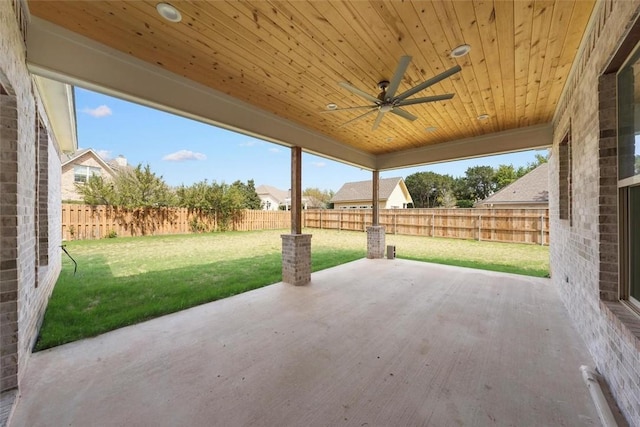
x=123, y=281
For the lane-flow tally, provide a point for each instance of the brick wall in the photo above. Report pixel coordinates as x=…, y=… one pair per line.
x=584, y=252
x=375, y=241
x=296, y=259
x=27, y=187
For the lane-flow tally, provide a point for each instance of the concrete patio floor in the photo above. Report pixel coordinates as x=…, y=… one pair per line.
x=369, y=343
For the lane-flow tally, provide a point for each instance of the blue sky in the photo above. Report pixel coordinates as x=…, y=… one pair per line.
x=184, y=151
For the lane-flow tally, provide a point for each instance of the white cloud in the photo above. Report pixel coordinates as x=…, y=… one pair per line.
x=183, y=155
x=105, y=154
x=98, y=112
x=274, y=150
x=319, y=164
x=249, y=143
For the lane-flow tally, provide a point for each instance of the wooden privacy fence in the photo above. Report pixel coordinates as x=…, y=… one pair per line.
x=499, y=225
x=96, y=222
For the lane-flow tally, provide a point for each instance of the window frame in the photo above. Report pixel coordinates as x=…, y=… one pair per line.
x=624, y=186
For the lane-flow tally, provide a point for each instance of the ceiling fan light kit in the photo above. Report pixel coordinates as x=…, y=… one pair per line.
x=388, y=102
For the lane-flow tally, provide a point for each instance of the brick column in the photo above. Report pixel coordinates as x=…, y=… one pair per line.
x=375, y=241
x=296, y=259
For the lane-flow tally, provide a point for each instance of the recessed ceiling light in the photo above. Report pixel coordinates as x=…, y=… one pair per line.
x=389, y=138
x=459, y=51
x=169, y=12
x=331, y=106
x=483, y=117
x=431, y=129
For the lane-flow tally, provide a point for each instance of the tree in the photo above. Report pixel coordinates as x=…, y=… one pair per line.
x=427, y=189
x=505, y=175
x=318, y=199
x=97, y=191
x=250, y=196
x=132, y=188
x=477, y=184
x=139, y=187
x=221, y=201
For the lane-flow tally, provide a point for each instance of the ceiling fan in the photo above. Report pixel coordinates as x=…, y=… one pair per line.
x=388, y=102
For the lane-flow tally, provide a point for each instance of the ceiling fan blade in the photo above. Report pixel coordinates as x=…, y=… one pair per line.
x=348, y=108
x=429, y=82
x=361, y=116
x=397, y=76
x=405, y=114
x=378, y=119
x=425, y=99
x=358, y=92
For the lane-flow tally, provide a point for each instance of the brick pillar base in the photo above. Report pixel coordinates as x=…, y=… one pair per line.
x=296, y=259
x=375, y=242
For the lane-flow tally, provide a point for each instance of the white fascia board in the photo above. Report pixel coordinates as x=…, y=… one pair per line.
x=59, y=105
x=62, y=55
x=528, y=138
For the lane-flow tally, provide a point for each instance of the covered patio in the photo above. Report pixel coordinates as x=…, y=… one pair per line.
x=372, y=343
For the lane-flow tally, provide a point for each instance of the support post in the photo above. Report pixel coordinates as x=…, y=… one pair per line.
x=296, y=190
x=296, y=247
x=375, y=233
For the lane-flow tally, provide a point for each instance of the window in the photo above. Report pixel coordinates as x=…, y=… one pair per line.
x=82, y=173
x=564, y=178
x=628, y=81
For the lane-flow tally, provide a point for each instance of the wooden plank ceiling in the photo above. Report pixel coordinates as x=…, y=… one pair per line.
x=287, y=57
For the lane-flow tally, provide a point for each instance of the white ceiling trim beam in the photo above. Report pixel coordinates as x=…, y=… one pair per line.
x=59, y=105
x=528, y=138
x=62, y=55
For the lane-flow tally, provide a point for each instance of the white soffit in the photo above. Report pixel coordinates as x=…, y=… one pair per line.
x=59, y=104
x=57, y=53
x=521, y=139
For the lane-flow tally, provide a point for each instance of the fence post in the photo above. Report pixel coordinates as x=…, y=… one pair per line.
x=479, y=227
x=433, y=224
x=541, y=230
x=395, y=222
x=339, y=220
x=320, y=220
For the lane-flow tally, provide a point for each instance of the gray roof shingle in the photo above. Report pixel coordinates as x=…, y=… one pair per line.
x=531, y=188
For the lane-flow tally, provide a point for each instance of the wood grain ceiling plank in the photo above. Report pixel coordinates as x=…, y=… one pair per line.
x=523, y=23
x=369, y=55
x=560, y=20
x=175, y=58
x=289, y=73
x=302, y=96
x=277, y=106
x=469, y=26
x=486, y=15
x=543, y=12
x=392, y=126
x=580, y=16
x=506, y=40
x=469, y=97
x=414, y=40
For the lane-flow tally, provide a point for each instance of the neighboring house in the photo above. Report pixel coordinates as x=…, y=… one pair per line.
x=79, y=166
x=354, y=195
x=530, y=191
x=272, y=198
